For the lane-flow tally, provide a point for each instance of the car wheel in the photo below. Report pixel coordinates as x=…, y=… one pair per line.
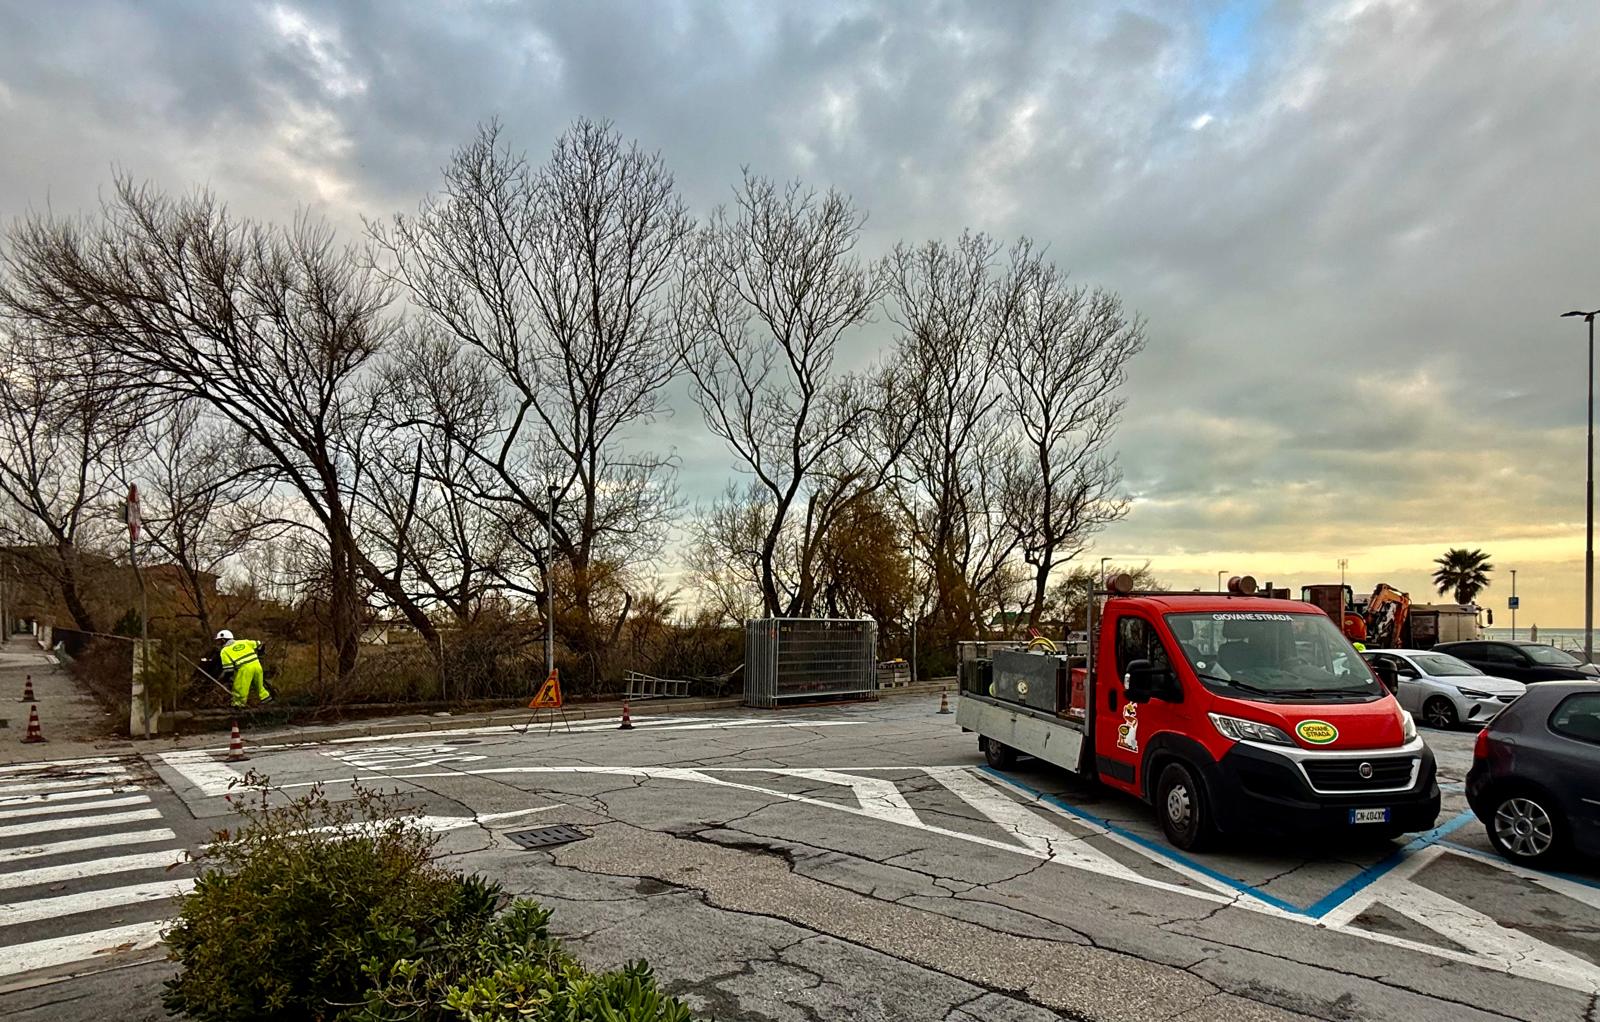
x=1000, y=756
x=1441, y=713
x=1181, y=803
x=1526, y=827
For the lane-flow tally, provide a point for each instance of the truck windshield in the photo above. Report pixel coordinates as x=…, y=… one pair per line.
x=1289, y=656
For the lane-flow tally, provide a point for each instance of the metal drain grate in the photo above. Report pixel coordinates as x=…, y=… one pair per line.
x=547, y=837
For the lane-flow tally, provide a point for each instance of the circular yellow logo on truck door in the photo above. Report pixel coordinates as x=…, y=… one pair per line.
x=1317, y=732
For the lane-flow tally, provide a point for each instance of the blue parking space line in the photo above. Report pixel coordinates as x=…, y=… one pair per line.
x=1320, y=908
x=1376, y=871
x=1165, y=851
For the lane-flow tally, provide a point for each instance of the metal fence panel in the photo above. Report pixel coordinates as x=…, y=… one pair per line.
x=809, y=658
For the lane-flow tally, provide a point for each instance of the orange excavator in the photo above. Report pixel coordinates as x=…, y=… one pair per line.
x=1380, y=623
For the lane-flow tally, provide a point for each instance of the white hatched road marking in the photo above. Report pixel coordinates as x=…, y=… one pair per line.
x=79, y=822
x=81, y=947
x=95, y=867
x=89, y=901
x=14, y=812
x=877, y=796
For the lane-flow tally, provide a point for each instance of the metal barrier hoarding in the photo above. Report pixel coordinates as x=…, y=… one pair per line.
x=809, y=658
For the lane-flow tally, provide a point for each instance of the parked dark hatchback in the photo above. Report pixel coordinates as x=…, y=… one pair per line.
x=1535, y=778
x=1520, y=661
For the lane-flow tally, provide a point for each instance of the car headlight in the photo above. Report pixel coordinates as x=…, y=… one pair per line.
x=1472, y=693
x=1408, y=726
x=1241, y=730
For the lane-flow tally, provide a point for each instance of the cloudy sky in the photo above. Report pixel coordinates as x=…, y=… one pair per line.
x=1351, y=225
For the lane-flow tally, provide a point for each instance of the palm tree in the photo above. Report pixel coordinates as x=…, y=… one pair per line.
x=1465, y=571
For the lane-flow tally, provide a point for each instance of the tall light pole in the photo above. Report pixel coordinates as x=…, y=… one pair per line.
x=1513, y=605
x=1588, y=463
x=549, y=586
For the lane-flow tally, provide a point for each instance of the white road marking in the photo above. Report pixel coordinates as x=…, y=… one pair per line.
x=79, y=947
x=64, y=796
x=1560, y=885
x=1342, y=913
x=878, y=797
x=1510, y=951
x=84, y=844
x=98, y=867
x=90, y=901
x=1033, y=830
x=203, y=770
x=9, y=790
x=47, y=764
x=79, y=822
x=9, y=812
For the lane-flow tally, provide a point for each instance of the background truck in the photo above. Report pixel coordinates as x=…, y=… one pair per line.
x=1229, y=712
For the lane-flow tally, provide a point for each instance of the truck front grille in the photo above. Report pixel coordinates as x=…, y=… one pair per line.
x=1346, y=774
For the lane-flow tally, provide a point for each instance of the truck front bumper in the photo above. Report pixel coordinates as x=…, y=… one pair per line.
x=1260, y=788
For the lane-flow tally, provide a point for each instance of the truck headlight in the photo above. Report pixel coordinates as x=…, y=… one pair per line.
x=1408, y=726
x=1241, y=730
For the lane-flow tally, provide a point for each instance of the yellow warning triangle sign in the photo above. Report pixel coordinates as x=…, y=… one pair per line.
x=549, y=696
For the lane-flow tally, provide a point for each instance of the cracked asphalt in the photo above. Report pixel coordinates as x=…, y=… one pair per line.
x=858, y=862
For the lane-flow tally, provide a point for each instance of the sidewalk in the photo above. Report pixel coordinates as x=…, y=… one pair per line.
x=73, y=723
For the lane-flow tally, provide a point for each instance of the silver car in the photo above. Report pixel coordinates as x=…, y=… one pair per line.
x=1444, y=692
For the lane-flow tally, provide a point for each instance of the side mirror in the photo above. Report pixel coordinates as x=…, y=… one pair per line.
x=1386, y=674
x=1145, y=681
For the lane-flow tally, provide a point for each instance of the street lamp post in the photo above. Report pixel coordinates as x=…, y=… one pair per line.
x=1513, y=605
x=1588, y=464
x=549, y=586
x=1219, y=580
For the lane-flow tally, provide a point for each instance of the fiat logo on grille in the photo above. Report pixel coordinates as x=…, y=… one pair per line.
x=1365, y=770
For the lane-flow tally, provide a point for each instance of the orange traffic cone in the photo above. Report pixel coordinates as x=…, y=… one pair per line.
x=235, y=746
x=944, y=701
x=627, y=719
x=27, y=691
x=34, y=734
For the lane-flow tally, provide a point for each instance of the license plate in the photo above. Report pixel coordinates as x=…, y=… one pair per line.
x=1369, y=816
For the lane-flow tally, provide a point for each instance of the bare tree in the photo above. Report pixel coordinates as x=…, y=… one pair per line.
x=1065, y=351
x=772, y=290
x=946, y=299
x=201, y=496
x=270, y=327
x=62, y=444
x=558, y=280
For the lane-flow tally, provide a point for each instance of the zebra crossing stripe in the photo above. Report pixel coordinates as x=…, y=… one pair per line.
x=90, y=901
x=61, y=784
x=17, y=812
x=80, y=947
x=26, y=767
x=84, y=844
x=64, y=796
x=80, y=822
x=11, y=879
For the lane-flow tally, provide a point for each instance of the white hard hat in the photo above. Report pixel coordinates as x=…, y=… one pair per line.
x=224, y=636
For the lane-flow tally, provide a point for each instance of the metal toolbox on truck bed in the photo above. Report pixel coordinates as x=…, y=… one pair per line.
x=1036, y=680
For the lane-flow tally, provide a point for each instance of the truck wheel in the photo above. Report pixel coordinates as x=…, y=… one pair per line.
x=1440, y=712
x=1181, y=803
x=1001, y=757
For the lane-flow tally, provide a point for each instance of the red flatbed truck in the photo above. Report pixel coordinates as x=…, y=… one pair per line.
x=1228, y=712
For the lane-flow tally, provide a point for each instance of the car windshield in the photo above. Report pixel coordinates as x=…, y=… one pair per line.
x=1443, y=665
x=1291, y=656
x=1551, y=657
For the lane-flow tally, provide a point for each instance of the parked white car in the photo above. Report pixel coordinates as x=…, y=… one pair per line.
x=1444, y=692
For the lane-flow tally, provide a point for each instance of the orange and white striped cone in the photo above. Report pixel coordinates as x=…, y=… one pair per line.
x=627, y=719
x=27, y=691
x=34, y=735
x=944, y=701
x=235, y=746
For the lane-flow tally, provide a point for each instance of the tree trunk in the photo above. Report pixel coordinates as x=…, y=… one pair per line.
x=83, y=619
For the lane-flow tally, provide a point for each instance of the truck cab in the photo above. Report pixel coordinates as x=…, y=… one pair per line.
x=1228, y=712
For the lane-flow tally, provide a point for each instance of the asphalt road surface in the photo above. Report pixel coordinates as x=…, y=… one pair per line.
x=849, y=862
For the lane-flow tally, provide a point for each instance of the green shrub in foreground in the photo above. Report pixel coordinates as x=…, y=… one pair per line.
x=294, y=905
x=327, y=911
